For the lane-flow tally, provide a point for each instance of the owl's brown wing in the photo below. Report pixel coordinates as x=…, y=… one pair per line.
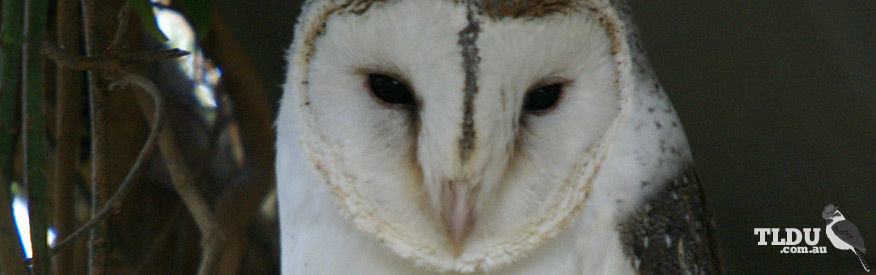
x=672, y=232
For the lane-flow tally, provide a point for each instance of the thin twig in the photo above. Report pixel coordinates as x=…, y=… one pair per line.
x=150, y=56
x=109, y=65
x=69, y=60
x=118, y=69
x=114, y=66
x=114, y=201
x=96, y=245
x=183, y=179
x=212, y=239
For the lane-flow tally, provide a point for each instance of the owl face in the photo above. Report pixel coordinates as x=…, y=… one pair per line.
x=446, y=129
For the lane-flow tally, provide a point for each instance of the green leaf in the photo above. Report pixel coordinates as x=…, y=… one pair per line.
x=198, y=12
x=143, y=8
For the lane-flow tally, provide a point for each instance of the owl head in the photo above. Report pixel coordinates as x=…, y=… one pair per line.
x=464, y=134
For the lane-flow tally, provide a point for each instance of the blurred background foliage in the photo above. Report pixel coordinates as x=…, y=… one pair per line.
x=778, y=99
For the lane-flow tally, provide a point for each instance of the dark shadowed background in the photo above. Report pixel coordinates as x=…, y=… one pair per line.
x=778, y=99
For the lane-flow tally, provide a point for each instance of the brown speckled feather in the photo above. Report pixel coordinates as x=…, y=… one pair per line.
x=525, y=8
x=672, y=232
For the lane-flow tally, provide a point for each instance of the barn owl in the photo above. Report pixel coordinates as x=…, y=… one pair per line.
x=481, y=136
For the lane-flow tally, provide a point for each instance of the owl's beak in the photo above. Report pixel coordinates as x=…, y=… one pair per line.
x=458, y=210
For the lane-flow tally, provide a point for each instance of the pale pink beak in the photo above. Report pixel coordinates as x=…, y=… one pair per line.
x=458, y=210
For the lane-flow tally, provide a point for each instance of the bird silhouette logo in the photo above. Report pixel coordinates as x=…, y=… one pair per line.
x=843, y=234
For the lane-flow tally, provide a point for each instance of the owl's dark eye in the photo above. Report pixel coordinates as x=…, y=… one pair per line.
x=390, y=90
x=543, y=98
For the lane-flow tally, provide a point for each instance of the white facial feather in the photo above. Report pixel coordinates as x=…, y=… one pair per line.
x=516, y=57
x=388, y=169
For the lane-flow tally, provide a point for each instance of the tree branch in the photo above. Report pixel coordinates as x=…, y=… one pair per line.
x=115, y=200
x=69, y=60
x=97, y=249
x=212, y=239
x=34, y=134
x=68, y=102
x=11, y=252
x=108, y=65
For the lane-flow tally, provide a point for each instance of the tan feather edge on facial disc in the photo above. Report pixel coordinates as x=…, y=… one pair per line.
x=565, y=203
